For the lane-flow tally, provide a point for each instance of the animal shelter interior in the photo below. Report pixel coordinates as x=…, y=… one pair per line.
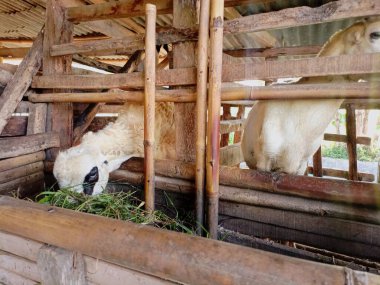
x=189, y=142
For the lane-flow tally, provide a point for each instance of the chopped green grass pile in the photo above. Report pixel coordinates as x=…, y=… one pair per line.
x=120, y=205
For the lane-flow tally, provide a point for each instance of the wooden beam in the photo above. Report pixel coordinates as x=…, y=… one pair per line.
x=37, y=118
x=302, y=16
x=14, y=185
x=58, y=31
x=95, y=63
x=16, y=126
x=274, y=52
x=219, y=261
x=343, y=138
x=119, y=9
x=291, y=91
x=10, y=163
x=185, y=16
x=319, y=66
x=11, y=147
x=20, y=82
x=127, y=44
x=13, y=52
x=362, y=176
x=21, y=171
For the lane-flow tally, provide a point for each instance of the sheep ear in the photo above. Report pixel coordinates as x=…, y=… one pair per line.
x=115, y=163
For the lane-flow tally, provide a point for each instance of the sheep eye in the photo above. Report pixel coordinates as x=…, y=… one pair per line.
x=92, y=176
x=374, y=35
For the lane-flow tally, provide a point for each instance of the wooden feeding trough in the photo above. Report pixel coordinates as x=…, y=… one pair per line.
x=329, y=220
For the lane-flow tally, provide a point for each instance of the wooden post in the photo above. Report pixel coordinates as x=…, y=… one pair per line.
x=149, y=104
x=317, y=163
x=226, y=116
x=201, y=112
x=37, y=119
x=351, y=142
x=239, y=116
x=57, y=31
x=184, y=17
x=213, y=127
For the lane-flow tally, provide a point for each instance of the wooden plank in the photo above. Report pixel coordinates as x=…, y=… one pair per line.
x=37, y=119
x=343, y=138
x=274, y=52
x=21, y=171
x=278, y=233
x=127, y=45
x=8, y=277
x=20, y=82
x=15, y=186
x=351, y=143
x=303, y=186
x=20, y=266
x=119, y=9
x=14, y=52
x=302, y=16
x=95, y=63
x=11, y=147
x=184, y=56
x=300, y=205
x=323, y=189
x=97, y=271
x=319, y=66
x=61, y=266
x=57, y=31
x=362, y=176
x=220, y=261
x=326, y=226
x=10, y=163
x=16, y=126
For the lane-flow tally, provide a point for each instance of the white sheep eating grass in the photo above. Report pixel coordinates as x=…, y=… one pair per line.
x=86, y=167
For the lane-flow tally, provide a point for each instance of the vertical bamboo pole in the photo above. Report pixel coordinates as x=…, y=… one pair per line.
x=317, y=163
x=149, y=104
x=351, y=142
x=201, y=112
x=213, y=126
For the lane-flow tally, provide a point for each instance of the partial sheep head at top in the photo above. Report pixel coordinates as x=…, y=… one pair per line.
x=281, y=135
x=86, y=167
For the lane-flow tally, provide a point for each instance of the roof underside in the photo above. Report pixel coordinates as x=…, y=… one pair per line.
x=21, y=20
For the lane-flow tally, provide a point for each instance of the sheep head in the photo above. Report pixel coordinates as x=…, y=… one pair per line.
x=84, y=169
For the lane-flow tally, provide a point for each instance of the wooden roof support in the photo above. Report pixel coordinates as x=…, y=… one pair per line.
x=302, y=16
x=95, y=63
x=20, y=82
x=319, y=66
x=217, y=261
x=127, y=44
x=129, y=8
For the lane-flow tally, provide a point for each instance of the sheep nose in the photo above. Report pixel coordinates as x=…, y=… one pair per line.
x=88, y=188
